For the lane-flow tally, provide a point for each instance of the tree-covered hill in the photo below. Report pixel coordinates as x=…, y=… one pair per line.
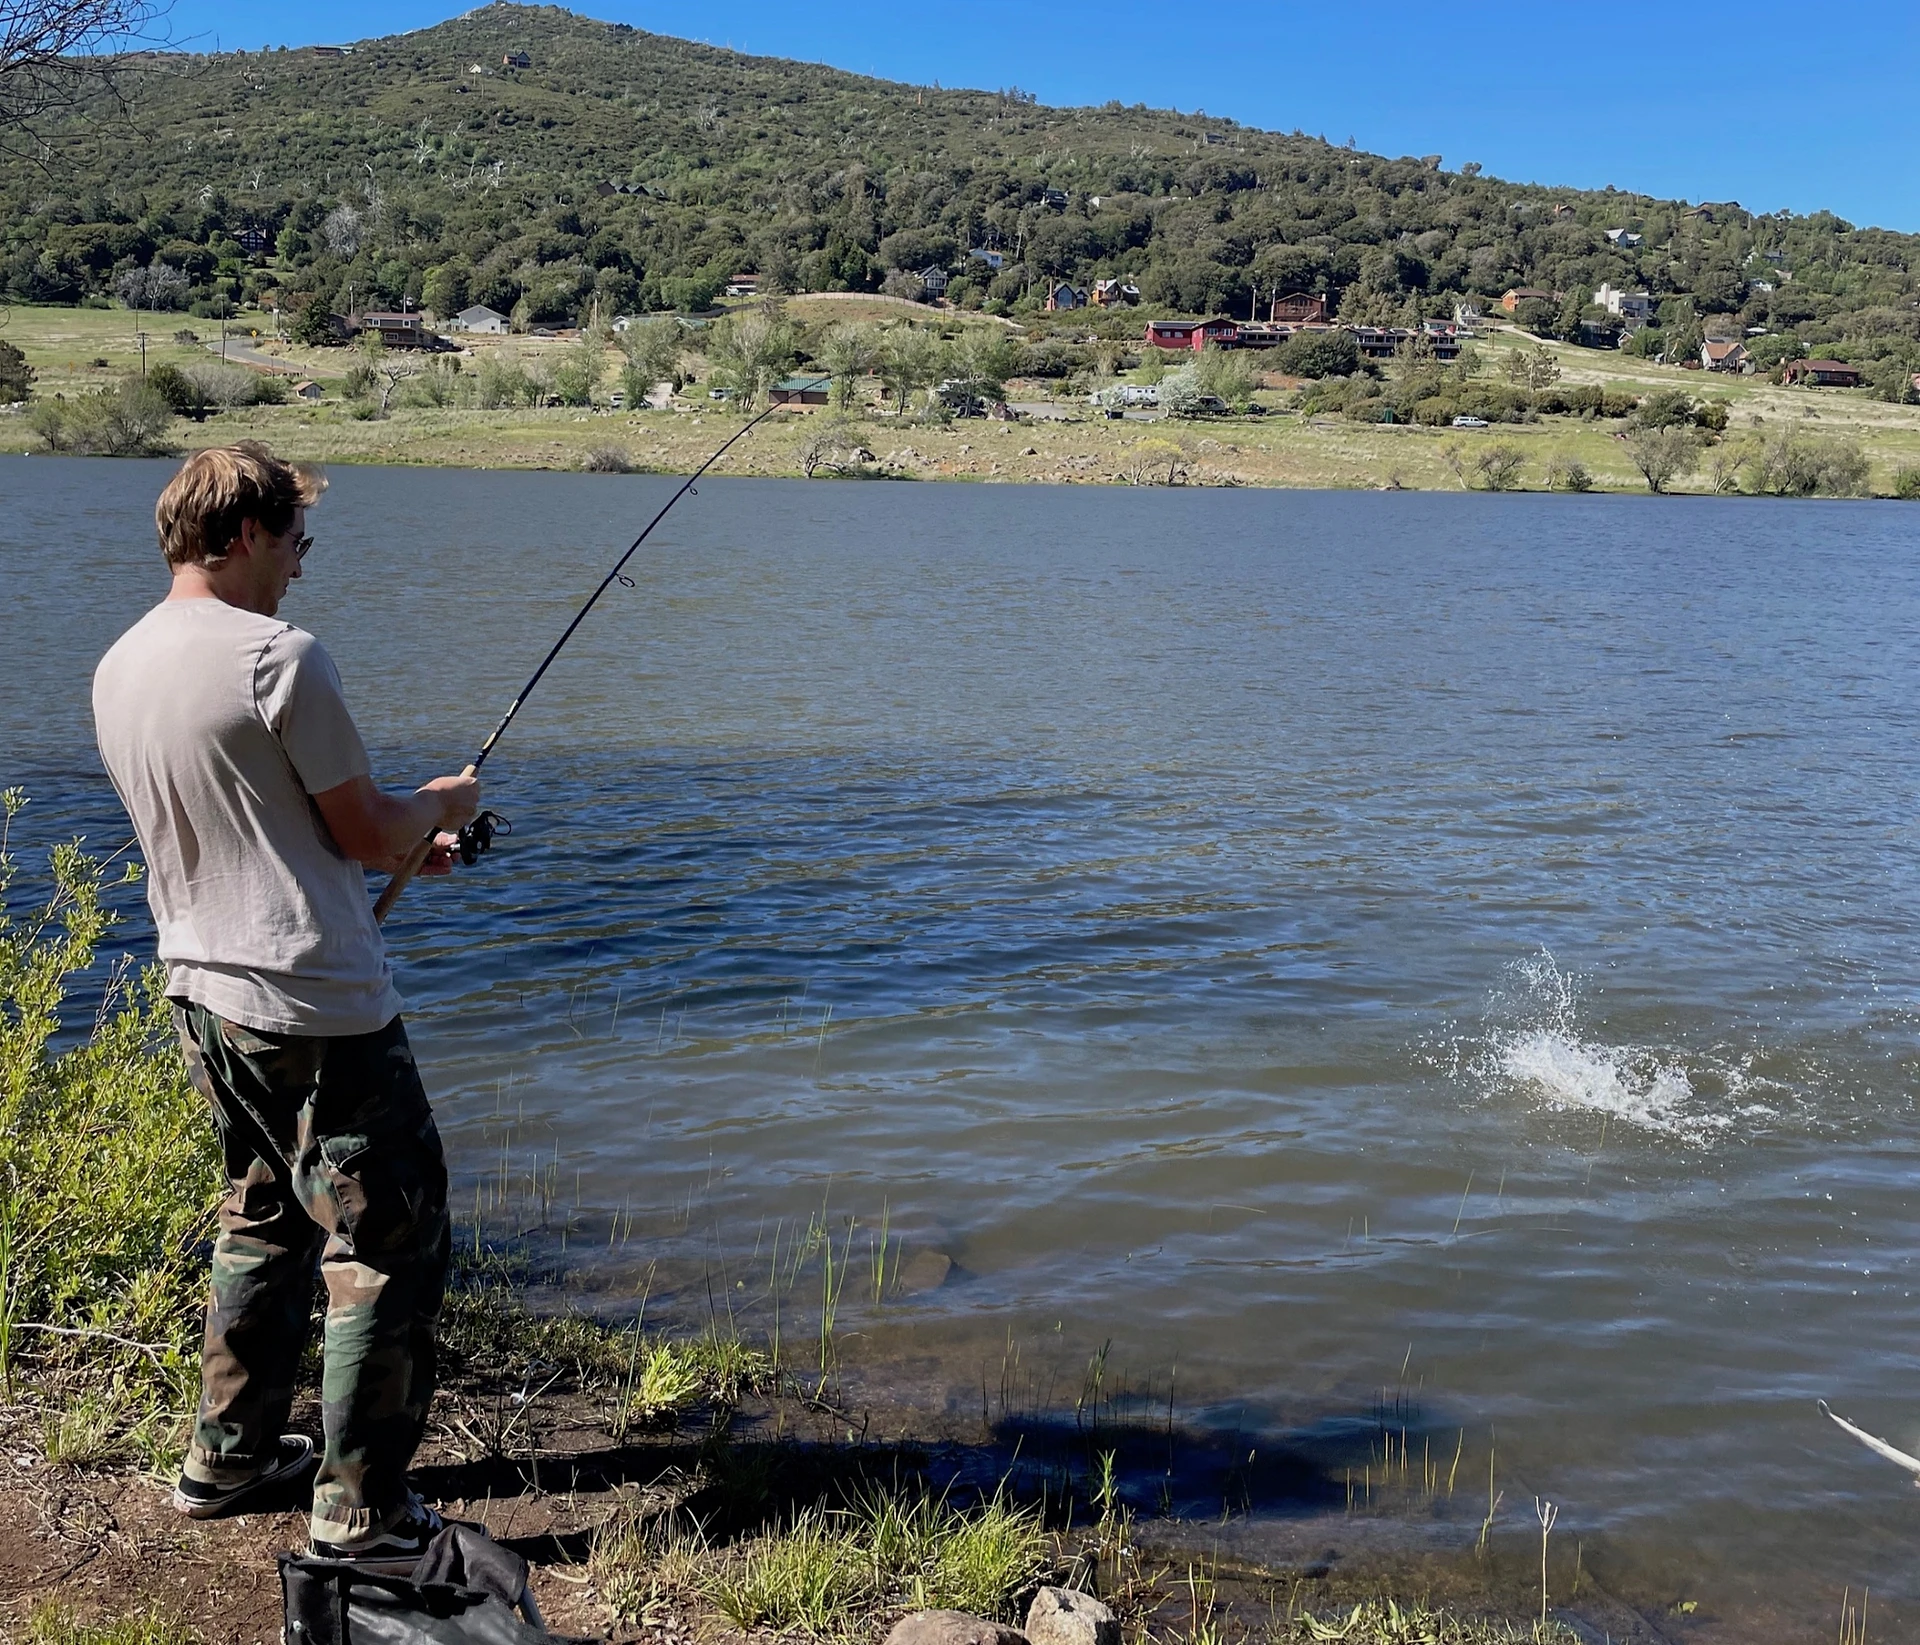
x=423, y=167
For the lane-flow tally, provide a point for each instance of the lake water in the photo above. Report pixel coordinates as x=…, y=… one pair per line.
x=1451, y=944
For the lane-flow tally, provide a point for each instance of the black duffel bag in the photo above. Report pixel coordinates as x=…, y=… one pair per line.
x=464, y=1591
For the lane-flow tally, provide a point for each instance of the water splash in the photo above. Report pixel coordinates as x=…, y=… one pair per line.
x=1538, y=1047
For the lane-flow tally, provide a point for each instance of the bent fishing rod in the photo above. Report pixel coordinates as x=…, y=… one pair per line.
x=478, y=834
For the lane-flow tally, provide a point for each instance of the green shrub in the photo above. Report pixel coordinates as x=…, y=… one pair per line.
x=181, y=392
x=108, y=1170
x=16, y=376
x=1319, y=354
x=1792, y=464
x=1906, y=483
x=128, y=421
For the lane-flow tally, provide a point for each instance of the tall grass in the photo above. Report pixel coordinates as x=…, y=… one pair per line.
x=833, y=1571
x=108, y=1171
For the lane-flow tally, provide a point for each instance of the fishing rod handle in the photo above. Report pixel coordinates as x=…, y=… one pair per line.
x=409, y=866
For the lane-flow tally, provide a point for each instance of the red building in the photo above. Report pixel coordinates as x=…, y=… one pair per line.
x=1193, y=334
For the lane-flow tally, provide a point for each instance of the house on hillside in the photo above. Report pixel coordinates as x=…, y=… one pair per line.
x=1063, y=297
x=993, y=259
x=331, y=51
x=1298, y=308
x=1823, y=373
x=935, y=280
x=1634, y=306
x=255, y=242
x=397, y=330
x=480, y=318
x=1512, y=299
x=1193, y=334
x=1111, y=293
x=743, y=285
x=1725, y=354
x=1626, y=239
x=1054, y=198
x=516, y=60
x=1466, y=316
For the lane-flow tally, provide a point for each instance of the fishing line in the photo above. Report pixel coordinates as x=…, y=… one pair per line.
x=478, y=835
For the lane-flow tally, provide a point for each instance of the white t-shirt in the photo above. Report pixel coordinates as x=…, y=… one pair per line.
x=216, y=725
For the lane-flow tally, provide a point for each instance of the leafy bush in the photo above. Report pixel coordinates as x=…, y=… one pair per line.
x=1663, y=453
x=16, y=376
x=1792, y=464
x=607, y=460
x=1665, y=408
x=1906, y=483
x=128, y=421
x=179, y=390
x=1499, y=466
x=1228, y=375
x=1568, y=474
x=1319, y=354
x=108, y=1171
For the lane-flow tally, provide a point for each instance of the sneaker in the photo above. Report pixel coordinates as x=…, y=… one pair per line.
x=393, y=1550
x=202, y=1499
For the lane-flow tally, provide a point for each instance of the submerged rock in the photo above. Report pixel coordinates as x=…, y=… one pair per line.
x=1060, y=1616
x=927, y=1272
x=952, y=1628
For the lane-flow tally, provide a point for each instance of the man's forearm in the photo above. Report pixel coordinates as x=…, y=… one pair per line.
x=403, y=823
x=379, y=829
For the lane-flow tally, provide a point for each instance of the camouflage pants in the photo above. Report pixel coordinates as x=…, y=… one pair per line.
x=331, y=1155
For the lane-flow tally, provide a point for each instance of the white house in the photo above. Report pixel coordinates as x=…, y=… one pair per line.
x=992, y=259
x=1629, y=305
x=1625, y=237
x=479, y=318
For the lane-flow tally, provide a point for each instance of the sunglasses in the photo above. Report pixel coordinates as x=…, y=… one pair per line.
x=300, y=548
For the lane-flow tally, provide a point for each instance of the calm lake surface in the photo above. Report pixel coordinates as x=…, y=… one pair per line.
x=1295, y=937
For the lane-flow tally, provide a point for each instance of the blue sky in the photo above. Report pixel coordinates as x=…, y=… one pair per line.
x=1771, y=104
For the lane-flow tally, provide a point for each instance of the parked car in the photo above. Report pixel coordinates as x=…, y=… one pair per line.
x=1470, y=422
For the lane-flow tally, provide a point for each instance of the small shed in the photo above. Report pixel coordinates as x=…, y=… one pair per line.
x=805, y=392
x=308, y=390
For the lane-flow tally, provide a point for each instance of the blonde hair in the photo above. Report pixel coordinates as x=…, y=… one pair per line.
x=200, y=513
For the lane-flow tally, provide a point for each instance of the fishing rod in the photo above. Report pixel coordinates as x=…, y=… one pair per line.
x=478, y=835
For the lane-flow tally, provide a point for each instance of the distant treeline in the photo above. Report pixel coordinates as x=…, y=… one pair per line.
x=638, y=172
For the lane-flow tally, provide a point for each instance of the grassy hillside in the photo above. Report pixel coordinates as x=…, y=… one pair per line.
x=420, y=167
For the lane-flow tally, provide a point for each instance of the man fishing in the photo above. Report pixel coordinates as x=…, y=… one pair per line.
x=227, y=736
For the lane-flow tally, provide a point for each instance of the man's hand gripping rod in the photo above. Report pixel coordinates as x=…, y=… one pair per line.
x=418, y=855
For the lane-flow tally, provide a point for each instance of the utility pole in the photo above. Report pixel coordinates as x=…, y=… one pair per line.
x=142, y=336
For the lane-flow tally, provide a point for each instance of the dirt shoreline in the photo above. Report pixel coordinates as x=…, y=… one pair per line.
x=548, y=1477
